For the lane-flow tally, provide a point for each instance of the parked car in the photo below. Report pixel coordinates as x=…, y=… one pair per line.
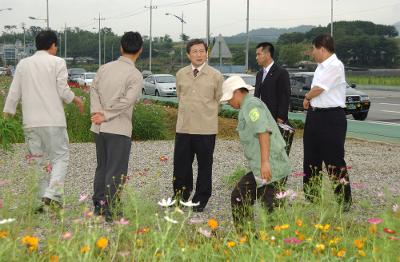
x=248, y=79
x=146, y=73
x=74, y=73
x=160, y=85
x=86, y=79
x=357, y=102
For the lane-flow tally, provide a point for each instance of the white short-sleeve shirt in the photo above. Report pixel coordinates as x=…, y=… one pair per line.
x=330, y=76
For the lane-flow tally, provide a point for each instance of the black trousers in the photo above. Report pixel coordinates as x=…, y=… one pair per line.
x=324, y=139
x=186, y=147
x=244, y=195
x=112, y=165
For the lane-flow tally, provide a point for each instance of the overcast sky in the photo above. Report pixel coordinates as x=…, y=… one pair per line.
x=227, y=16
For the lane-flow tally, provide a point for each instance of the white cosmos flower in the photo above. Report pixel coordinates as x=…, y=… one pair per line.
x=204, y=232
x=281, y=195
x=6, y=221
x=170, y=220
x=395, y=208
x=166, y=203
x=189, y=203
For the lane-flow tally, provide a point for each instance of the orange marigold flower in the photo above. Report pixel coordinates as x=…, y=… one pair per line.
x=243, y=240
x=359, y=243
x=287, y=253
x=85, y=249
x=341, y=253
x=231, y=244
x=31, y=242
x=54, y=258
x=102, y=243
x=3, y=234
x=213, y=223
x=299, y=222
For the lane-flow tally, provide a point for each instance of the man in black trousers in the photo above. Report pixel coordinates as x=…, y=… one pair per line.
x=272, y=83
x=326, y=124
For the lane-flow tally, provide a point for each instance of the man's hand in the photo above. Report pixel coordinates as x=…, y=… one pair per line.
x=265, y=171
x=79, y=104
x=98, y=118
x=280, y=120
x=306, y=104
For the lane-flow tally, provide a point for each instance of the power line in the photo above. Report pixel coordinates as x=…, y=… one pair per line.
x=181, y=3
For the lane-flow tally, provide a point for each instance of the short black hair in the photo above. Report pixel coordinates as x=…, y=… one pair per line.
x=195, y=42
x=267, y=46
x=45, y=39
x=243, y=90
x=131, y=42
x=325, y=41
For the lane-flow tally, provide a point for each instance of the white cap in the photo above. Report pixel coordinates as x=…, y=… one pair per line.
x=230, y=85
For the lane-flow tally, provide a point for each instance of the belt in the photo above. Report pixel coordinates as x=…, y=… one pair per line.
x=323, y=109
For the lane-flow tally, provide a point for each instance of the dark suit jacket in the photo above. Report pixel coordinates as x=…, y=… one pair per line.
x=274, y=91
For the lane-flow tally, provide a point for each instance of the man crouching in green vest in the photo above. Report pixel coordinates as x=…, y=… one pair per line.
x=264, y=148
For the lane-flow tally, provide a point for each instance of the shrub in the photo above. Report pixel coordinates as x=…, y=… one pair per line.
x=149, y=122
x=10, y=132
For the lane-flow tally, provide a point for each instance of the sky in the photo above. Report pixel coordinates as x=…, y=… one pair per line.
x=228, y=17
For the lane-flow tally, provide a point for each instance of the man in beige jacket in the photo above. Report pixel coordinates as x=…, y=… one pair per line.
x=115, y=89
x=199, y=89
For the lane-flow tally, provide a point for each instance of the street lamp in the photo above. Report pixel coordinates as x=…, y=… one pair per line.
x=183, y=41
x=41, y=19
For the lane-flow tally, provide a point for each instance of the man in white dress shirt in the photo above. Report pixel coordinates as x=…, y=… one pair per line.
x=326, y=125
x=40, y=81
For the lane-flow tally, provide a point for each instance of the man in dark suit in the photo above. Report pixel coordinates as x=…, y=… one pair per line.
x=272, y=83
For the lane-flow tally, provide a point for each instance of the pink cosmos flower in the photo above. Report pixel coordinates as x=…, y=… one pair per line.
x=123, y=221
x=49, y=168
x=66, y=236
x=375, y=221
x=102, y=202
x=82, y=197
x=292, y=241
x=298, y=174
x=343, y=181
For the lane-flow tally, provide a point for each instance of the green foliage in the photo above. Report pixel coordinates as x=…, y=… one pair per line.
x=228, y=113
x=235, y=176
x=149, y=122
x=291, y=54
x=297, y=124
x=10, y=132
x=78, y=125
x=374, y=80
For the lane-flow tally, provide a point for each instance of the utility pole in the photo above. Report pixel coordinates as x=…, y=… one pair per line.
x=112, y=52
x=65, y=42
x=100, y=19
x=332, y=18
x=247, y=39
x=183, y=41
x=23, y=27
x=208, y=25
x=47, y=4
x=60, y=45
x=104, y=46
x=151, y=24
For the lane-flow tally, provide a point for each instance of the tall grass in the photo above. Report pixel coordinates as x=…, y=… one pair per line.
x=295, y=231
x=374, y=80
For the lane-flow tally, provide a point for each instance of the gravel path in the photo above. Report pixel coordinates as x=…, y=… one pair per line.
x=374, y=168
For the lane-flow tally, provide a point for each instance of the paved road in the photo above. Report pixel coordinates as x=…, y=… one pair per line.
x=385, y=106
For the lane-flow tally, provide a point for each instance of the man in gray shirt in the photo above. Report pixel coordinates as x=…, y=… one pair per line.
x=115, y=89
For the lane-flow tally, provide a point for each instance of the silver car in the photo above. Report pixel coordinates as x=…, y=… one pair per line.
x=248, y=79
x=160, y=85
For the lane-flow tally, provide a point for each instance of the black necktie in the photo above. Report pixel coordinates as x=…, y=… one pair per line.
x=195, y=72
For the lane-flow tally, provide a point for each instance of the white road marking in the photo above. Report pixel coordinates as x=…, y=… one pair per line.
x=389, y=104
x=388, y=111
